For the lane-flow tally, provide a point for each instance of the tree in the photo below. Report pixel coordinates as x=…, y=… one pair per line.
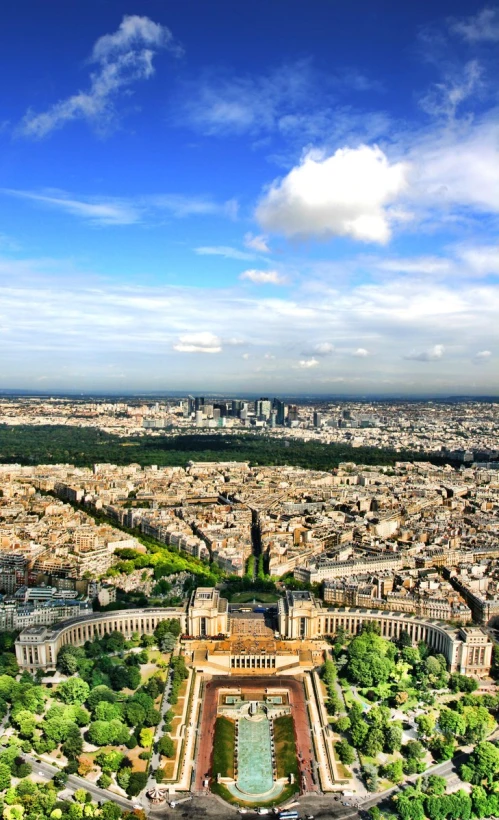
x=370, y=773
x=109, y=761
x=4, y=776
x=393, y=738
x=462, y=683
x=166, y=747
x=404, y=639
x=107, y=711
x=345, y=752
x=152, y=717
x=442, y=748
x=426, y=725
x=373, y=743
x=436, y=784
x=342, y=724
x=110, y=811
x=484, y=761
x=451, y=723
x=137, y=782
x=73, y=745
x=413, y=749
x=394, y=771
x=80, y=795
x=358, y=733
x=74, y=690
x=167, y=642
x=146, y=737
x=69, y=659
x=60, y=779
x=134, y=713
x=100, y=693
x=123, y=778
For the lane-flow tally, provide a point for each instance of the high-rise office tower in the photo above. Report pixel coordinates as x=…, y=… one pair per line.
x=262, y=408
x=280, y=408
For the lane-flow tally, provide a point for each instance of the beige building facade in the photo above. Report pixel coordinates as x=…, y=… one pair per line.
x=467, y=649
x=301, y=618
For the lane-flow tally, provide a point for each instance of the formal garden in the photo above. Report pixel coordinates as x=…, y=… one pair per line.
x=97, y=716
x=397, y=711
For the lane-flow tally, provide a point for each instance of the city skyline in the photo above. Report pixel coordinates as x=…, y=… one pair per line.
x=211, y=198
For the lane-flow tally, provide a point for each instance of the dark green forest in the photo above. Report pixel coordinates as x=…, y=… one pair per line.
x=85, y=446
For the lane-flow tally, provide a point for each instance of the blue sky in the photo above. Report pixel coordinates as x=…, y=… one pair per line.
x=272, y=196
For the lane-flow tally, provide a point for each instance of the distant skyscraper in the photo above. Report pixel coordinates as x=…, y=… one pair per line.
x=199, y=402
x=280, y=410
x=262, y=408
x=317, y=419
x=292, y=413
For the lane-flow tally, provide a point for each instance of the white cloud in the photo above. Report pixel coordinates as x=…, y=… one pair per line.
x=122, y=59
x=323, y=349
x=345, y=194
x=457, y=168
x=256, y=243
x=481, y=27
x=53, y=315
x=361, y=353
x=308, y=363
x=433, y=354
x=203, y=342
x=483, y=355
x=223, y=250
x=263, y=277
x=481, y=260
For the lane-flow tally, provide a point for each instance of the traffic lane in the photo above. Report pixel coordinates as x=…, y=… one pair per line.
x=43, y=769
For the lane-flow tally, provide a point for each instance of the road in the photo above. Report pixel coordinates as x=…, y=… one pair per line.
x=155, y=759
x=76, y=782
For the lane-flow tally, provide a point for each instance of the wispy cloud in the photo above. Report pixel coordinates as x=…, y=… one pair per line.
x=444, y=97
x=256, y=243
x=223, y=250
x=263, y=277
x=121, y=59
x=102, y=213
x=181, y=206
x=292, y=99
x=112, y=211
x=479, y=28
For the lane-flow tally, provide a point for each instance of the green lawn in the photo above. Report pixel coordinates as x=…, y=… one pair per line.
x=223, y=747
x=259, y=597
x=285, y=747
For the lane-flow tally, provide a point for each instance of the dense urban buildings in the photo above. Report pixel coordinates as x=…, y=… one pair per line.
x=262, y=584
x=464, y=430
